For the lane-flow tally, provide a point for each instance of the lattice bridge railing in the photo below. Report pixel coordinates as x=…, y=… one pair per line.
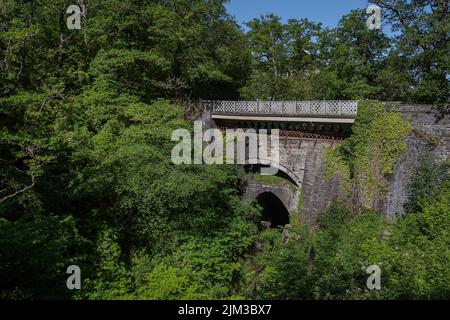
x=335, y=108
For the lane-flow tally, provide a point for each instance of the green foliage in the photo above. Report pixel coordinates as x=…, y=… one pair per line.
x=336, y=166
x=34, y=251
x=85, y=135
x=429, y=177
x=160, y=208
x=286, y=274
x=170, y=283
x=86, y=118
x=332, y=263
x=412, y=251
x=112, y=280
x=301, y=60
x=422, y=256
x=335, y=216
x=423, y=29
x=279, y=50
x=368, y=156
x=344, y=251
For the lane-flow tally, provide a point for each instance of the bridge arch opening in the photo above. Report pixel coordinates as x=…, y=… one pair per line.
x=273, y=210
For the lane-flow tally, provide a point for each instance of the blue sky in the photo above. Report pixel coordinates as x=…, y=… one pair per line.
x=328, y=12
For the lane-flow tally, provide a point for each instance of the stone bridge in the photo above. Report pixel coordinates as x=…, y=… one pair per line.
x=305, y=127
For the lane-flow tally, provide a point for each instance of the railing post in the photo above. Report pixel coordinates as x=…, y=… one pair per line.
x=257, y=106
x=270, y=106
x=234, y=106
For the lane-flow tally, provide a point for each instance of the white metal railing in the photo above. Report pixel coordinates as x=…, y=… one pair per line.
x=288, y=108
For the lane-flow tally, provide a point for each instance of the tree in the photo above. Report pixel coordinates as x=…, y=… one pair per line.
x=355, y=55
x=423, y=28
x=85, y=136
x=282, y=55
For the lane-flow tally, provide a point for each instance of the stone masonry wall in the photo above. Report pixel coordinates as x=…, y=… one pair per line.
x=318, y=193
x=431, y=133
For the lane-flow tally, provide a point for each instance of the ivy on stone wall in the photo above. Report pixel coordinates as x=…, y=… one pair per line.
x=336, y=168
x=367, y=158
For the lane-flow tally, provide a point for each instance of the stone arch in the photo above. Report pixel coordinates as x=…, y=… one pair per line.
x=294, y=178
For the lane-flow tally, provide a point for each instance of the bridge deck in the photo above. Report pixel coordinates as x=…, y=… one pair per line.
x=290, y=111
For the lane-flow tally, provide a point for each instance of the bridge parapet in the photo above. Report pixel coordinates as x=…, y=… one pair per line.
x=332, y=109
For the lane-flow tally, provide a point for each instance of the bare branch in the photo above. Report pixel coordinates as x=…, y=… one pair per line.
x=17, y=192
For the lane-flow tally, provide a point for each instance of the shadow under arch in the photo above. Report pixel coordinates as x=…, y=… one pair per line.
x=291, y=175
x=273, y=210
